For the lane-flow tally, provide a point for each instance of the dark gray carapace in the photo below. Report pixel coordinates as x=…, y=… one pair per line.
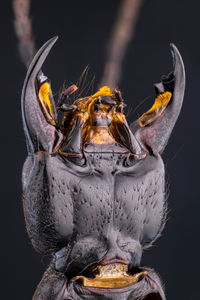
x=94, y=186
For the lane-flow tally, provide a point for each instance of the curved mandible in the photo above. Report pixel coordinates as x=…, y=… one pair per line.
x=40, y=134
x=154, y=127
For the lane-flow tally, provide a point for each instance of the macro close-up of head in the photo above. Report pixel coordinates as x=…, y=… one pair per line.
x=95, y=180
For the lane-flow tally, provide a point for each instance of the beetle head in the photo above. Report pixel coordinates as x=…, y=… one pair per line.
x=97, y=124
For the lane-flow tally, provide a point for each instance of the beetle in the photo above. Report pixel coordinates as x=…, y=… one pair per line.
x=94, y=185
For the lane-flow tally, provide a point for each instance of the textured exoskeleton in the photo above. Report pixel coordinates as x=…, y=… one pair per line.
x=94, y=186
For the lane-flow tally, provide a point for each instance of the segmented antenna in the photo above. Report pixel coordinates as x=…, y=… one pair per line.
x=122, y=32
x=23, y=30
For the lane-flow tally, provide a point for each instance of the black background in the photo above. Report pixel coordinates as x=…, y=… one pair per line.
x=83, y=28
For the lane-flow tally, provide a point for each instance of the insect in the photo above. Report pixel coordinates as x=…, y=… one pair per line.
x=94, y=185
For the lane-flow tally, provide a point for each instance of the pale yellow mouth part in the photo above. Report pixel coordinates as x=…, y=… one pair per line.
x=110, y=276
